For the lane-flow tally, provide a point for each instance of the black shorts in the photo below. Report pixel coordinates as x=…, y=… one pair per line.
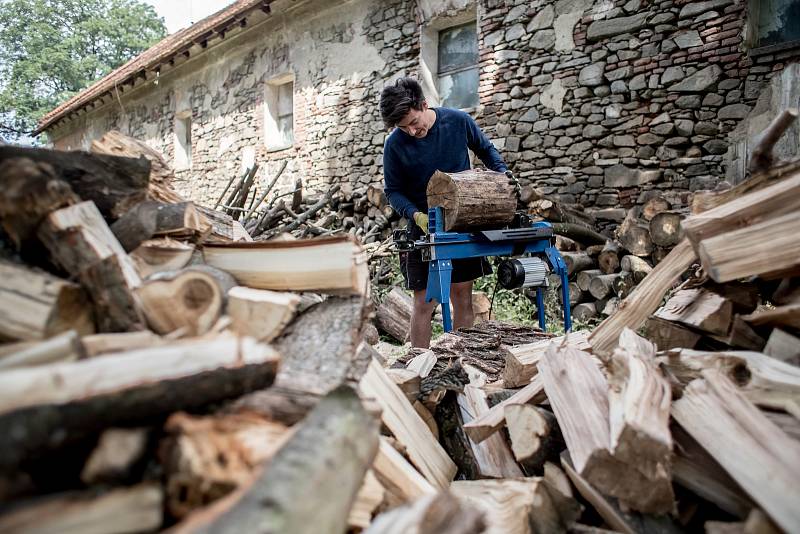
x=415, y=271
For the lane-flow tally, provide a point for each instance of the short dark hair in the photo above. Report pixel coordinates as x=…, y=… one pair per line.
x=398, y=99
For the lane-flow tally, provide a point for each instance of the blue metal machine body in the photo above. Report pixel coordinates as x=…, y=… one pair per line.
x=447, y=246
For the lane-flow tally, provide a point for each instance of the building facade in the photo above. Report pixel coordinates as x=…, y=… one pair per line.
x=599, y=102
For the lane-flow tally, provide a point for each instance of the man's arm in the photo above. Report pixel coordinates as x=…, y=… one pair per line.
x=392, y=187
x=483, y=148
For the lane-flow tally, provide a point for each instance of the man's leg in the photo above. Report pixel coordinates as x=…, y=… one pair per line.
x=421, y=320
x=461, y=297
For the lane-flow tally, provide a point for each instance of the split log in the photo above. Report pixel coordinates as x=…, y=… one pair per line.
x=578, y=393
x=181, y=221
x=492, y=456
x=644, y=300
x=276, y=403
x=36, y=305
x=703, y=201
x=119, y=511
x=534, y=436
x=695, y=469
x=64, y=347
x=322, y=347
x=602, y=286
x=608, y=259
x=634, y=235
x=31, y=190
x=115, y=184
x=639, y=399
x=507, y=505
x=787, y=317
x=783, y=346
x=432, y=514
x=700, y=309
x=481, y=307
x=115, y=143
x=577, y=261
x=743, y=296
x=765, y=461
x=207, y=457
x=158, y=255
x=665, y=229
x=394, y=314
x=398, y=476
x=190, y=300
x=376, y=196
x=636, y=266
x=370, y=496
x=136, y=225
x=472, y=199
x=80, y=241
x=609, y=509
x=669, y=335
x=407, y=426
x=653, y=207
x=745, y=252
x=584, y=278
x=260, y=313
x=584, y=312
x=522, y=360
x=763, y=380
x=311, y=482
x=97, y=344
x=48, y=406
x=114, y=458
x=408, y=382
x=494, y=418
x=740, y=211
x=223, y=228
x=326, y=265
x=422, y=364
x=741, y=336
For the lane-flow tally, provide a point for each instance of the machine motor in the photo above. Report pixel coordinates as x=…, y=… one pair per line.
x=529, y=271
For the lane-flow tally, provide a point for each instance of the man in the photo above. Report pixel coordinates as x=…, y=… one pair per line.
x=425, y=140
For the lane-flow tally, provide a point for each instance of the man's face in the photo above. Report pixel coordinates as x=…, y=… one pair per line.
x=415, y=123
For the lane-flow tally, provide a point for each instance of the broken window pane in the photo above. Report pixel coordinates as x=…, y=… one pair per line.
x=458, y=66
x=279, y=115
x=778, y=22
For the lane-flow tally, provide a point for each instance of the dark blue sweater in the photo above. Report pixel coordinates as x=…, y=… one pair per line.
x=409, y=163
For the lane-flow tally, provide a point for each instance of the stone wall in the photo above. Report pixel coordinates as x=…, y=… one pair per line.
x=600, y=103
x=606, y=103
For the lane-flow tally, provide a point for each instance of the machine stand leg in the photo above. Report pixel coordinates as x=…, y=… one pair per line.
x=565, y=301
x=439, y=275
x=540, y=308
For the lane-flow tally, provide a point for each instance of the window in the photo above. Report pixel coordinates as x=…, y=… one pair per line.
x=458, y=66
x=279, y=114
x=775, y=24
x=183, y=140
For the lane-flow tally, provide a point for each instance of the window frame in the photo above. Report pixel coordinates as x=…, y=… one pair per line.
x=273, y=140
x=752, y=36
x=182, y=141
x=440, y=72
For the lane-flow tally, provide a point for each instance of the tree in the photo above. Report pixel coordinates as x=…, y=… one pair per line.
x=52, y=49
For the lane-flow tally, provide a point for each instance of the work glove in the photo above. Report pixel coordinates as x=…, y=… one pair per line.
x=512, y=180
x=421, y=220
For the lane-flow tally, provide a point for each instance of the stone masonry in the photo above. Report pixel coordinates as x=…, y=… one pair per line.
x=601, y=103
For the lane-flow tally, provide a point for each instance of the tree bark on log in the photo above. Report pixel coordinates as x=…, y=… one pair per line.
x=636, y=266
x=653, y=207
x=36, y=305
x=113, y=183
x=602, y=286
x=319, y=348
x=136, y=226
x=577, y=261
x=64, y=347
x=394, y=314
x=46, y=407
x=441, y=513
x=311, y=483
x=584, y=278
x=31, y=190
x=579, y=233
x=534, y=436
x=472, y=199
x=583, y=312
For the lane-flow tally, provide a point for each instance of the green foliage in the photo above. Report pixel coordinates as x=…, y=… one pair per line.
x=52, y=49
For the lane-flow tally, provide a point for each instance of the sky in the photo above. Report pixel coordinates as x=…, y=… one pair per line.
x=181, y=13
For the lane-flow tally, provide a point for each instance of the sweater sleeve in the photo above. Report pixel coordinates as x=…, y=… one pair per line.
x=392, y=180
x=483, y=148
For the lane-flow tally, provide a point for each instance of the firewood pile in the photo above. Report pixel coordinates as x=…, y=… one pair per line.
x=230, y=389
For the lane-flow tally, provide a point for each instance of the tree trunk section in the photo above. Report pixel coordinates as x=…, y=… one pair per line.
x=634, y=235
x=472, y=199
x=394, y=314
x=577, y=261
x=608, y=259
x=113, y=183
x=665, y=229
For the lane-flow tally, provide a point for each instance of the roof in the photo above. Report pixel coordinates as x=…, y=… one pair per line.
x=151, y=59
